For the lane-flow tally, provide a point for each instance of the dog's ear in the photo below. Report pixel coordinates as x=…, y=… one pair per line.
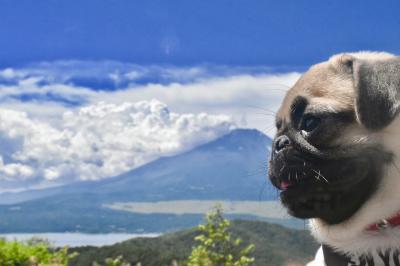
x=377, y=85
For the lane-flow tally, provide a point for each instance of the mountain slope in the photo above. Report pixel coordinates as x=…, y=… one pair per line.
x=274, y=246
x=232, y=167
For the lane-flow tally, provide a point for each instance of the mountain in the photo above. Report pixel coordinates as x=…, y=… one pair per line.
x=232, y=167
x=274, y=246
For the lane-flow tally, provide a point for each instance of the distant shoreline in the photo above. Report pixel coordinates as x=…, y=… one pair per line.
x=78, y=239
x=262, y=209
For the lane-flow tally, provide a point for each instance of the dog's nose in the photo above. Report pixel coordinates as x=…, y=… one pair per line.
x=281, y=143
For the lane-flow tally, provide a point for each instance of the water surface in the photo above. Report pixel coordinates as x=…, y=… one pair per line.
x=77, y=239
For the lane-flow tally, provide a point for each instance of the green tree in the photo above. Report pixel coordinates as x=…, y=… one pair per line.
x=113, y=262
x=217, y=247
x=35, y=252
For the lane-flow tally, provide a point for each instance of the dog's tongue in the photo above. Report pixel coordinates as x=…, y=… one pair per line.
x=285, y=185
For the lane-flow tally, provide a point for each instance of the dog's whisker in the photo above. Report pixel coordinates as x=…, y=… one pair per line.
x=283, y=167
x=317, y=177
x=266, y=114
x=278, y=84
x=320, y=175
x=395, y=166
x=255, y=173
x=263, y=109
x=262, y=190
x=323, y=177
x=268, y=129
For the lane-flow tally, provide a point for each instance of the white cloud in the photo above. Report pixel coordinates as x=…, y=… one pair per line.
x=13, y=171
x=247, y=94
x=100, y=140
x=249, y=99
x=8, y=73
x=54, y=127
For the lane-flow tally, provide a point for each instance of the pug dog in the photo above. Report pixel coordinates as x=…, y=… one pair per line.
x=336, y=157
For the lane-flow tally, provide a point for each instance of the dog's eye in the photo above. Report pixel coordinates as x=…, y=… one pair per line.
x=309, y=123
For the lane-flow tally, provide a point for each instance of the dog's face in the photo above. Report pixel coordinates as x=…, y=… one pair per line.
x=326, y=158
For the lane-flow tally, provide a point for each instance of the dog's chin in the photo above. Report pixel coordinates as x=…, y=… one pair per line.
x=331, y=190
x=333, y=206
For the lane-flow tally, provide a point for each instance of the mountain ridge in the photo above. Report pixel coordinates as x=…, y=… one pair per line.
x=274, y=246
x=230, y=168
x=224, y=141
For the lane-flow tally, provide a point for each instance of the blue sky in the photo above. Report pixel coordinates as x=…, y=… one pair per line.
x=276, y=33
x=90, y=89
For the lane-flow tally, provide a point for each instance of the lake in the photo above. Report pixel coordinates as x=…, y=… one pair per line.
x=77, y=239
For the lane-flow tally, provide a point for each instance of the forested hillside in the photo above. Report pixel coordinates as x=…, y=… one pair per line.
x=274, y=246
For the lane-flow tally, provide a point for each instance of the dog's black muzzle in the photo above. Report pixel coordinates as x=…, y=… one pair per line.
x=330, y=184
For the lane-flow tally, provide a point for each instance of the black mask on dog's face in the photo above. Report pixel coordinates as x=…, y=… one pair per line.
x=321, y=174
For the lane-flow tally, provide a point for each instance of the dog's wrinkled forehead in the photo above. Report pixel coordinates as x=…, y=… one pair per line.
x=326, y=86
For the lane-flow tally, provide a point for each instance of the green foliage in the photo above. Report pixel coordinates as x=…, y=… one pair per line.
x=113, y=262
x=35, y=252
x=274, y=246
x=217, y=246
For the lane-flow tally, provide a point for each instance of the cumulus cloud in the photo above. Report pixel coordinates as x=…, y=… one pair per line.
x=14, y=171
x=250, y=99
x=100, y=140
x=74, y=120
x=9, y=73
x=249, y=94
